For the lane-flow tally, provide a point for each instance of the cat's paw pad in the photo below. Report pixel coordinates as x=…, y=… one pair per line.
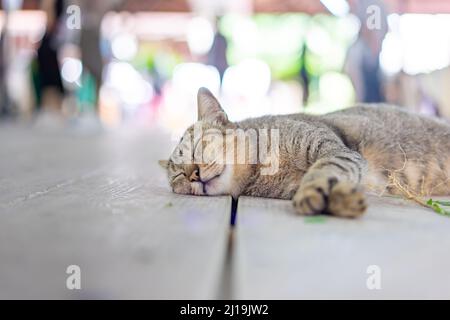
x=312, y=198
x=347, y=200
x=327, y=195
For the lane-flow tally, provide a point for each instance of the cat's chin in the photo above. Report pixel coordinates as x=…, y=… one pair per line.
x=220, y=185
x=208, y=189
x=197, y=189
x=212, y=190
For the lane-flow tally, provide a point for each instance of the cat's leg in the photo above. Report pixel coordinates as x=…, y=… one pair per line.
x=332, y=185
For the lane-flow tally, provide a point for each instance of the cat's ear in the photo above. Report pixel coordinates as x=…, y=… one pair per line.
x=209, y=108
x=163, y=163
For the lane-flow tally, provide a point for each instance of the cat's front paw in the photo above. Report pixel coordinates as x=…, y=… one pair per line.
x=327, y=195
x=347, y=200
x=312, y=198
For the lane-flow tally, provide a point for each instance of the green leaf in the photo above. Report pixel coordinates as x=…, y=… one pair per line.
x=436, y=205
x=315, y=219
x=443, y=203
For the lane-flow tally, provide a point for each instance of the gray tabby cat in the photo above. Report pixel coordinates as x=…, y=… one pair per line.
x=325, y=162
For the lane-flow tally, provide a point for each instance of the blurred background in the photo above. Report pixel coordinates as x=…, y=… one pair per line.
x=138, y=64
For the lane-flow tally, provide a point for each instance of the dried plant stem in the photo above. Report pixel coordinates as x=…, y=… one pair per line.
x=407, y=193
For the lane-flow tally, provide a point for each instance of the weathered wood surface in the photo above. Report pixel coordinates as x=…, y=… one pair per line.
x=279, y=255
x=101, y=202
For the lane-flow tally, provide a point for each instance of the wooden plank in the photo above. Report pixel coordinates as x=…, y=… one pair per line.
x=280, y=255
x=32, y=161
x=102, y=203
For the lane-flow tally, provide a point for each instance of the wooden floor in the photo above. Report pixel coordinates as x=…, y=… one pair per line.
x=101, y=202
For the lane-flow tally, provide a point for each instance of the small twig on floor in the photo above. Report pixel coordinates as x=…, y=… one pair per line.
x=436, y=205
x=406, y=192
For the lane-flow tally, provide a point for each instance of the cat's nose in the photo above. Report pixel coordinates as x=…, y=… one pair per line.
x=194, y=176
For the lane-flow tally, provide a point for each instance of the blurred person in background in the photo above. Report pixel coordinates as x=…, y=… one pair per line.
x=50, y=89
x=304, y=75
x=90, y=40
x=217, y=56
x=4, y=101
x=362, y=61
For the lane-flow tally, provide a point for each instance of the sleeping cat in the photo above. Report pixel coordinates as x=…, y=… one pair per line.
x=325, y=162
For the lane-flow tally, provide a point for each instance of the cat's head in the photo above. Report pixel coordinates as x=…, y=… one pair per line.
x=193, y=167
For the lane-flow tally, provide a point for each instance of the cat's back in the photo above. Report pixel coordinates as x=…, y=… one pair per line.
x=380, y=123
x=366, y=124
x=390, y=139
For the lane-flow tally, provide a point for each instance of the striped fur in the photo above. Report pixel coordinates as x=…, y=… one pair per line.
x=326, y=162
